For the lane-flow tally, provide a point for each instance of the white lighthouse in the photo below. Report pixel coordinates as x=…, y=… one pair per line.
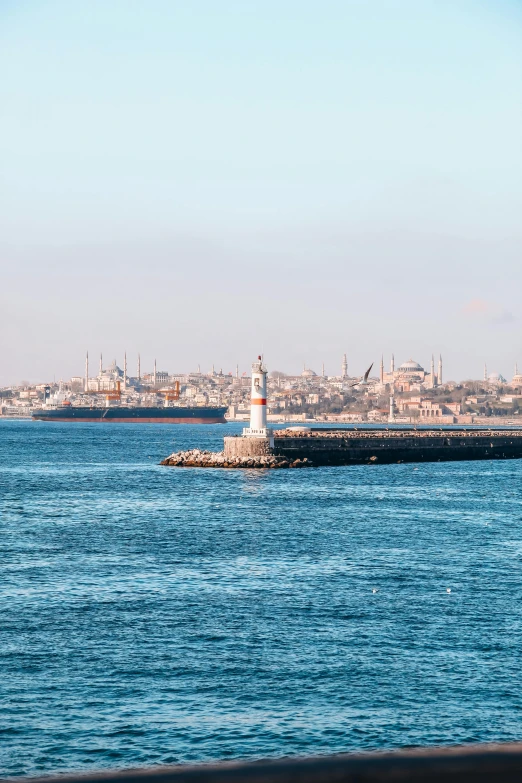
x=258, y=428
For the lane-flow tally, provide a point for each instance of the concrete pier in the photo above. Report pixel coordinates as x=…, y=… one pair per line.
x=314, y=447
x=356, y=447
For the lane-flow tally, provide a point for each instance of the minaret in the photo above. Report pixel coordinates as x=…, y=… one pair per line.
x=237, y=370
x=344, y=367
x=392, y=364
x=155, y=372
x=485, y=371
x=199, y=369
x=322, y=369
x=87, y=371
x=432, y=371
x=391, y=417
x=139, y=369
x=125, y=370
x=382, y=369
x=439, y=376
x=101, y=364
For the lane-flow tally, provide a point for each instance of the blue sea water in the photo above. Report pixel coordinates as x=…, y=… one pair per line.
x=152, y=615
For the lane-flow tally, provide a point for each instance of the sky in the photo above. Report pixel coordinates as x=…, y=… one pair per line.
x=202, y=182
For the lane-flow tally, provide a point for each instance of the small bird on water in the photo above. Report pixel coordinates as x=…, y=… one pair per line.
x=374, y=590
x=448, y=589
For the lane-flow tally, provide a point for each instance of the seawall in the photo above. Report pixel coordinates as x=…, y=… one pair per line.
x=308, y=448
x=356, y=447
x=352, y=447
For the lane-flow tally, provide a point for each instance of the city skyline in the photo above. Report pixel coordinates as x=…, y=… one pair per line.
x=401, y=392
x=136, y=366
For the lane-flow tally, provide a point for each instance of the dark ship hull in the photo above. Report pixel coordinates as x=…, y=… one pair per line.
x=121, y=415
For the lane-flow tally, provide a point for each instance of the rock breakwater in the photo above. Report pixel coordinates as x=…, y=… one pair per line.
x=195, y=458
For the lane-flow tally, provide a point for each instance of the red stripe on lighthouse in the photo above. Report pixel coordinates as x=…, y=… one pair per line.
x=259, y=401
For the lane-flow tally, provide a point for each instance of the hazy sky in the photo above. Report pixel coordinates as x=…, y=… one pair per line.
x=201, y=181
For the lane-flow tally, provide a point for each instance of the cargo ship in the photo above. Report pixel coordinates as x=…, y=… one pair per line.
x=132, y=415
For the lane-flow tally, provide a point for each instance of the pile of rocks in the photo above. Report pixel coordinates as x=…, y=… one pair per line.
x=212, y=459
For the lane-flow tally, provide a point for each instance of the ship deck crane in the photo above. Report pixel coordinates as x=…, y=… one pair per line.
x=110, y=394
x=170, y=394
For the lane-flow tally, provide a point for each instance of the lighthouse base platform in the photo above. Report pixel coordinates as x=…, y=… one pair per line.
x=249, y=446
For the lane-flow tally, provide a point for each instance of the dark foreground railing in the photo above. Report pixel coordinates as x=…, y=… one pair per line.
x=473, y=764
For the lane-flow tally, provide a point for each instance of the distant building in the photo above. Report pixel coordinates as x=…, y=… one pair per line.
x=496, y=379
x=410, y=375
x=106, y=380
x=517, y=378
x=444, y=413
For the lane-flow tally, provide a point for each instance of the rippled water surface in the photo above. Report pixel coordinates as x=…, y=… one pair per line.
x=157, y=615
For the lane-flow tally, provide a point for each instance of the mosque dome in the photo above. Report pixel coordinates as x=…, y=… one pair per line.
x=113, y=371
x=411, y=367
x=307, y=373
x=496, y=377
